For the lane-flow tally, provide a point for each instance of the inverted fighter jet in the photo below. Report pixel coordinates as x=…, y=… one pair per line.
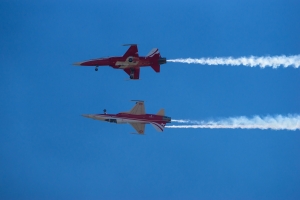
x=136, y=117
x=130, y=62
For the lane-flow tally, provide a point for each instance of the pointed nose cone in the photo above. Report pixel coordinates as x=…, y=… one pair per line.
x=77, y=63
x=86, y=115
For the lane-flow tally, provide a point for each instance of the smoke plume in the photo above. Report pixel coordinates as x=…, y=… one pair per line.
x=252, y=61
x=278, y=122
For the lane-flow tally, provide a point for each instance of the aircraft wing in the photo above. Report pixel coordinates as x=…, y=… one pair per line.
x=134, y=73
x=139, y=127
x=132, y=51
x=138, y=109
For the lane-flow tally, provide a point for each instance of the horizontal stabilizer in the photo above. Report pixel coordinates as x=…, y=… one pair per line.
x=161, y=112
x=158, y=127
x=156, y=67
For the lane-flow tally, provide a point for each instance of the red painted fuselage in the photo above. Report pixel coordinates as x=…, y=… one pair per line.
x=120, y=62
x=130, y=62
x=157, y=121
x=136, y=117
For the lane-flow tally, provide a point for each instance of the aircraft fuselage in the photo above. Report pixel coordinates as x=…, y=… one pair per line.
x=130, y=62
x=122, y=118
x=123, y=63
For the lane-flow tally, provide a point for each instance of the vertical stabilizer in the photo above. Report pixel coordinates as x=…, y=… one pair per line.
x=153, y=52
x=161, y=112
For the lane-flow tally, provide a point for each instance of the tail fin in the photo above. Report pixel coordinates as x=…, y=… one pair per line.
x=156, y=67
x=153, y=52
x=161, y=112
x=158, y=127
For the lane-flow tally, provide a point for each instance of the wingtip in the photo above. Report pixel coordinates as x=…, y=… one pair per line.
x=138, y=133
x=132, y=79
x=129, y=45
x=137, y=100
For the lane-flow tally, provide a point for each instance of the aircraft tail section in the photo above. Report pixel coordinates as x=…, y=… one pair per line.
x=161, y=112
x=153, y=53
x=159, y=127
x=156, y=67
x=157, y=59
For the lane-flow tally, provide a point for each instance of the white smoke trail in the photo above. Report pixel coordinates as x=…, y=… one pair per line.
x=186, y=121
x=252, y=61
x=181, y=120
x=278, y=122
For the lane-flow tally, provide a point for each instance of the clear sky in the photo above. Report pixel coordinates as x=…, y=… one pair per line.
x=48, y=151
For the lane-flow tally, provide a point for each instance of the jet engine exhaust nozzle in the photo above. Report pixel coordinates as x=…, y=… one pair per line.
x=162, y=61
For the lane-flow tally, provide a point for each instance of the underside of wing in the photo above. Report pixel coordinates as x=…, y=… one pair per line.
x=138, y=109
x=134, y=73
x=139, y=127
x=132, y=51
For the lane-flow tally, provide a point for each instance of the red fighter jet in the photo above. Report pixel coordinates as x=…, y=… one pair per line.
x=130, y=62
x=136, y=117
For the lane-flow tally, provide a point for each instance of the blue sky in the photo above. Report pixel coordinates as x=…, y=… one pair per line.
x=48, y=151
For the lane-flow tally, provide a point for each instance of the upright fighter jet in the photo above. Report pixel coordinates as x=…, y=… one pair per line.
x=136, y=117
x=130, y=62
